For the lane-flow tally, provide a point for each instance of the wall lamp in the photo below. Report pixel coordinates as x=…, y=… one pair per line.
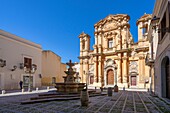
x=21, y=65
x=154, y=23
x=14, y=68
x=2, y=63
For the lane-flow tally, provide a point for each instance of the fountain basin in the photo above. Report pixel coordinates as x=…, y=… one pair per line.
x=69, y=87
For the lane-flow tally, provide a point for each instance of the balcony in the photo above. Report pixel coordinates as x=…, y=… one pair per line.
x=149, y=60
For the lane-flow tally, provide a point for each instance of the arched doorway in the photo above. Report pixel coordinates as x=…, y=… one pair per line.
x=110, y=77
x=165, y=77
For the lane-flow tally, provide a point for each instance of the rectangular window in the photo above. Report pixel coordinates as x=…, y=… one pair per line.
x=53, y=80
x=110, y=43
x=163, y=26
x=27, y=62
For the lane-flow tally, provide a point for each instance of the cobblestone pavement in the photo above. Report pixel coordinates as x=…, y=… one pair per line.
x=121, y=102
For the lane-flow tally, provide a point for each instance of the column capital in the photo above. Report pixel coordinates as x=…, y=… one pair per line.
x=124, y=58
x=141, y=57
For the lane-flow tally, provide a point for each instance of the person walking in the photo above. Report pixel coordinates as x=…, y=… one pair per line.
x=20, y=84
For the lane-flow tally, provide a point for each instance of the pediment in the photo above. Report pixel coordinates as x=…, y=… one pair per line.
x=111, y=24
x=111, y=21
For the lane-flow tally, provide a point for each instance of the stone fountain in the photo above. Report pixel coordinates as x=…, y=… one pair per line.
x=69, y=85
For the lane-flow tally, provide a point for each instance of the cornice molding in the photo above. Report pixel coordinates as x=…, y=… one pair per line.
x=18, y=39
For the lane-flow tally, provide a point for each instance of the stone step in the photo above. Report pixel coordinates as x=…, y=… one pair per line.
x=53, y=96
x=56, y=99
x=48, y=99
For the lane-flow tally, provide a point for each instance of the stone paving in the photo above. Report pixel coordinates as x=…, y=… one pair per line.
x=121, y=102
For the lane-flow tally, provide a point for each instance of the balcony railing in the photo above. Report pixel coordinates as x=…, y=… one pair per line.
x=149, y=60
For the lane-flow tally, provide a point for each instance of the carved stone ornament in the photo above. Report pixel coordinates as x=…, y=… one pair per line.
x=109, y=63
x=111, y=21
x=91, y=69
x=112, y=24
x=133, y=67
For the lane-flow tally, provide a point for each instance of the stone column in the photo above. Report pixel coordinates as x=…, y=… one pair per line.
x=124, y=40
x=81, y=49
x=100, y=64
x=115, y=76
x=119, y=74
x=86, y=70
x=141, y=68
x=96, y=39
x=105, y=78
x=99, y=38
x=120, y=39
x=95, y=69
x=114, y=43
x=125, y=68
x=81, y=70
x=95, y=64
x=105, y=44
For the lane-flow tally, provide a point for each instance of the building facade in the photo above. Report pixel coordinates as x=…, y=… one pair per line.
x=115, y=58
x=15, y=53
x=52, y=68
x=161, y=35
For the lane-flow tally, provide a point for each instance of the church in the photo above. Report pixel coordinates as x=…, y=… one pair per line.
x=115, y=59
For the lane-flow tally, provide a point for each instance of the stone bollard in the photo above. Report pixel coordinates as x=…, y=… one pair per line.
x=48, y=88
x=109, y=91
x=84, y=97
x=3, y=92
x=37, y=89
x=116, y=89
x=22, y=90
x=123, y=88
x=101, y=89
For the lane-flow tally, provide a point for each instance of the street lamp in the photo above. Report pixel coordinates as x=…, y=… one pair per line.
x=30, y=70
x=2, y=63
x=154, y=22
x=115, y=87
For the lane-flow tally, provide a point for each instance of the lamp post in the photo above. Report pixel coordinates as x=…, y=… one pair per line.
x=115, y=87
x=30, y=70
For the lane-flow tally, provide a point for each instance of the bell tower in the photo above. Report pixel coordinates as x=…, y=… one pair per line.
x=143, y=28
x=84, y=55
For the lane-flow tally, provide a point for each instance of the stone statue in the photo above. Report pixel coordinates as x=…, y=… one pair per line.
x=70, y=73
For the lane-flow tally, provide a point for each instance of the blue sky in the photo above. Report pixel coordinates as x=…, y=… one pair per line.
x=56, y=24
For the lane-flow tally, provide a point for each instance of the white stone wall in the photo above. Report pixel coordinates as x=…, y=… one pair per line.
x=13, y=49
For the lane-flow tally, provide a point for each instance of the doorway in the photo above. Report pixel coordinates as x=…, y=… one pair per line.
x=110, y=77
x=165, y=76
x=91, y=79
x=133, y=80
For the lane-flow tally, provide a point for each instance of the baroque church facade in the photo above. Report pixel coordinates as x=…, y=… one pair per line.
x=115, y=58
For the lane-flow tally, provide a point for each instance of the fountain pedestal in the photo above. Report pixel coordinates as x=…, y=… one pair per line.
x=69, y=85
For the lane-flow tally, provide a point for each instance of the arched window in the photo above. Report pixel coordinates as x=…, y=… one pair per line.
x=83, y=44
